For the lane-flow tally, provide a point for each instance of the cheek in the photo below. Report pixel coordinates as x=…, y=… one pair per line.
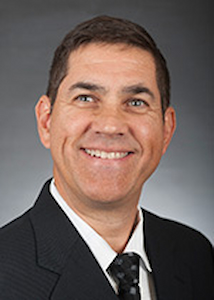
x=63, y=125
x=59, y=131
x=150, y=134
x=66, y=130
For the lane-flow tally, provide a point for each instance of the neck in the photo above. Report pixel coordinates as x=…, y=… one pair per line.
x=113, y=221
x=115, y=228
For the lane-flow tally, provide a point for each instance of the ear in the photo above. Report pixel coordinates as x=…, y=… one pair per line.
x=43, y=117
x=169, y=127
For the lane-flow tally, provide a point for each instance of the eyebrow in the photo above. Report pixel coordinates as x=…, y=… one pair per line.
x=132, y=89
x=87, y=86
x=138, y=89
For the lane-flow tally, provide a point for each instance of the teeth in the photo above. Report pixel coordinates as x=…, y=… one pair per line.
x=106, y=155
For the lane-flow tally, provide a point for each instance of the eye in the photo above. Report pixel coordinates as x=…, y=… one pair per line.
x=137, y=103
x=85, y=101
x=84, y=98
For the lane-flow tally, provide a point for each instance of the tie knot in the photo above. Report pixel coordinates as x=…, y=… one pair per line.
x=125, y=271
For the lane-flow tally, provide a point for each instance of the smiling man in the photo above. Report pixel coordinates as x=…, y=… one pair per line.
x=107, y=121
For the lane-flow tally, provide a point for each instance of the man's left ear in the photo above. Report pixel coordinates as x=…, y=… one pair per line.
x=43, y=117
x=169, y=126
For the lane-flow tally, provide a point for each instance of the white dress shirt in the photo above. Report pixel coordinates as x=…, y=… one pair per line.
x=104, y=253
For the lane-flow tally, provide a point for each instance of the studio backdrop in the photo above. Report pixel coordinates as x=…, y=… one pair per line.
x=182, y=187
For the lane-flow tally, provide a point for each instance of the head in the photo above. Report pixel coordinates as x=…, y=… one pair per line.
x=106, y=130
x=108, y=30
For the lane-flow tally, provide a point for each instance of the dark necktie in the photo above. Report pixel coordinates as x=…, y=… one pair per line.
x=125, y=271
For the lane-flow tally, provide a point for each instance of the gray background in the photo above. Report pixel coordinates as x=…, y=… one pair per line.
x=182, y=188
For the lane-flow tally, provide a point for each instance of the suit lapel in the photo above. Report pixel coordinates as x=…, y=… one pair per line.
x=171, y=276
x=83, y=278
x=61, y=250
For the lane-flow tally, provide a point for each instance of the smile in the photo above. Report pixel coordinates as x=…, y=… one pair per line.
x=106, y=155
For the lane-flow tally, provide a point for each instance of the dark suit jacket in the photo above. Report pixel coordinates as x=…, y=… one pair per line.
x=43, y=257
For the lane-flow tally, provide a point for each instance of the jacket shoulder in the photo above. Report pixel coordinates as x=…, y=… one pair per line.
x=172, y=228
x=20, y=275
x=188, y=253
x=16, y=232
x=176, y=232
x=187, y=243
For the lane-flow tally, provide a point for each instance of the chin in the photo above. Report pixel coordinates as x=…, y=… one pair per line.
x=107, y=197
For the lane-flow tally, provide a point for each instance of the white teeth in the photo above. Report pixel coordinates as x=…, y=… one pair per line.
x=106, y=155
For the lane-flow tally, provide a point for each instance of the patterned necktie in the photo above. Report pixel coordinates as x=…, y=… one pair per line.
x=125, y=271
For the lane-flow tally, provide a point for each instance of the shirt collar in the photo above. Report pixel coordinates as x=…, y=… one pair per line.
x=136, y=242
x=99, y=247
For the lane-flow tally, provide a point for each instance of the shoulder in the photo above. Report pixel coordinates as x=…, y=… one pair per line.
x=20, y=229
x=181, y=250
x=19, y=267
x=184, y=239
x=19, y=233
x=171, y=228
x=17, y=255
x=15, y=237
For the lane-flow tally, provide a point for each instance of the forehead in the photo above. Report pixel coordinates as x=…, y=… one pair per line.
x=112, y=65
x=99, y=53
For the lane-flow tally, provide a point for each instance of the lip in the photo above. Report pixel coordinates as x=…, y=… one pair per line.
x=106, y=154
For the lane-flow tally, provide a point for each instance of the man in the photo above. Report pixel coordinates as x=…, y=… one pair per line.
x=107, y=121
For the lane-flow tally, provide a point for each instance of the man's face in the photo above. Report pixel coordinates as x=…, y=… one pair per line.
x=106, y=131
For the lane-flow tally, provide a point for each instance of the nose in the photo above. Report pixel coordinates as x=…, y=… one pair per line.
x=110, y=122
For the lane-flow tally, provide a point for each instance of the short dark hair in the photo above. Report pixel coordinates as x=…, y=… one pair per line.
x=108, y=30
